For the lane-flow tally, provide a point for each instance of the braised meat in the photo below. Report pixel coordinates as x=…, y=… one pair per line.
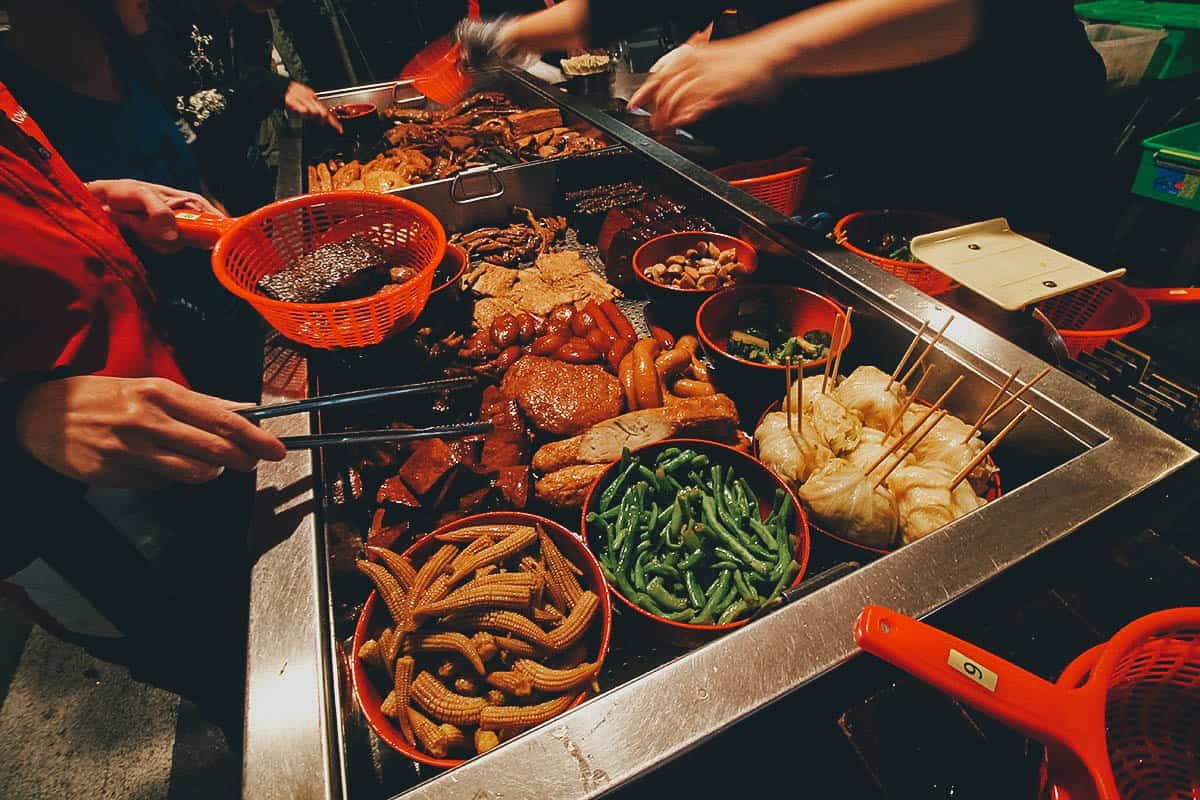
x=393, y=490
x=513, y=483
x=431, y=459
x=560, y=398
x=568, y=487
x=342, y=270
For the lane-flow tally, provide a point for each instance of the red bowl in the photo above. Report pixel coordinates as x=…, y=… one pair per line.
x=762, y=480
x=995, y=490
x=861, y=231
x=369, y=625
x=660, y=248
x=803, y=309
x=353, y=110
x=451, y=270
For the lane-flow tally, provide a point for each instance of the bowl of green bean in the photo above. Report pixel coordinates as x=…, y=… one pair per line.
x=693, y=536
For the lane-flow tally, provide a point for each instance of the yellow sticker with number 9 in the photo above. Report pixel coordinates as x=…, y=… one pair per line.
x=975, y=671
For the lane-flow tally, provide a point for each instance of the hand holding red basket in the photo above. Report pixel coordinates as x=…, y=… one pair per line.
x=272, y=238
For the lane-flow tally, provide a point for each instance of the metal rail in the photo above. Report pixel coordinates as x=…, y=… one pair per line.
x=292, y=751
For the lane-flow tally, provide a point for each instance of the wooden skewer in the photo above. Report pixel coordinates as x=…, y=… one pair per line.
x=928, y=349
x=787, y=393
x=833, y=337
x=988, y=448
x=892, y=447
x=1015, y=395
x=941, y=415
x=912, y=346
x=837, y=364
x=995, y=399
x=799, y=399
x=911, y=397
x=941, y=400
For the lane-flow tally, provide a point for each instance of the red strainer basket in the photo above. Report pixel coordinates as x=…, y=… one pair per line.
x=778, y=182
x=1130, y=731
x=1089, y=317
x=861, y=231
x=437, y=72
x=268, y=240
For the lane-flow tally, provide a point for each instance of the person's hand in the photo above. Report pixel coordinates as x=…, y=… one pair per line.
x=147, y=210
x=138, y=432
x=302, y=100
x=484, y=43
x=703, y=78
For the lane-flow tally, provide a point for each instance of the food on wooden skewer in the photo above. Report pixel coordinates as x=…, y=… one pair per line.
x=782, y=448
x=925, y=353
x=832, y=425
x=866, y=390
x=912, y=346
x=840, y=498
x=923, y=499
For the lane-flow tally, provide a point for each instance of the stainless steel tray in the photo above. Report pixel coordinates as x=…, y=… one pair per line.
x=1076, y=460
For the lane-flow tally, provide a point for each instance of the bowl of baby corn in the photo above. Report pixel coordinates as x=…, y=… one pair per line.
x=488, y=626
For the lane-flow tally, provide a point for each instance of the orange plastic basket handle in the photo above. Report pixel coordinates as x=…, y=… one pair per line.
x=1012, y=695
x=1167, y=296
x=202, y=229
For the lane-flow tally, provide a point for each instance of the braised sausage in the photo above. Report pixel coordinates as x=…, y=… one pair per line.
x=700, y=370
x=540, y=325
x=563, y=314
x=525, y=328
x=602, y=320
x=599, y=342
x=504, y=330
x=663, y=336
x=689, y=343
x=545, y=345
x=625, y=375
x=672, y=362
x=577, y=351
x=686, y=387
x=507, y=358
x=620, y=323
x=581, y=323
x=645, y=377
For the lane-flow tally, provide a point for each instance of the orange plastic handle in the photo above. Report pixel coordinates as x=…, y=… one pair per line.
x=1018, y=698
x=202, y=229
x=1179, y=295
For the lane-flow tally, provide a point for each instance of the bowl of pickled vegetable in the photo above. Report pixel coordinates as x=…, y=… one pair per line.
x=750, y=332
x=694, y=536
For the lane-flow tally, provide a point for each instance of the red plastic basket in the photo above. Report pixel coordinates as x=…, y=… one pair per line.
x=437, y=72
x=859, y=231
x=271, y=238
x=778, y=182
x=1089, y=317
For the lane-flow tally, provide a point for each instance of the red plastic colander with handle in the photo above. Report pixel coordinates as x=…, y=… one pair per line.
x=273, y=237
x=1130, y=731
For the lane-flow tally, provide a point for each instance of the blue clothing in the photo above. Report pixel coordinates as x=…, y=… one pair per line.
x=134, y=137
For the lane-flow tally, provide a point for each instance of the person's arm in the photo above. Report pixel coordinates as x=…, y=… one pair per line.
x=838, y=38
x=563, y=26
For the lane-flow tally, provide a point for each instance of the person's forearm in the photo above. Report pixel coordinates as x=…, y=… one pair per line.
x=563, y=26
x=849, y=37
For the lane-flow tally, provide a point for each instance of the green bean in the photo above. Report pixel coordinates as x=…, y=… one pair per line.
x=624, y=523
x=611, y=514
x=664, y=515
x=784, y=579
x=625, y=558
x=777, y=507
x=691, y=559
x=667, y=454
x=681, y=459
x=783, y=552
x=690, y=538
x=670, y=559
x=663, y=597
x=639, y=572
x=694, y=592
x=700, y=460
x=674, y=526
x=729, y=540
x=748, y=594
x=675, y=485
x=610, y=492
x=732, y=612
x=655, y=567
x=765, y=536
x=727, y=554
x=747, y=498
x=724, y=564
x=649, y=475
x=714, y=594
x=595, y=519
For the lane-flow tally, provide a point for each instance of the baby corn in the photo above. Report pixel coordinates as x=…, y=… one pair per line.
x=547, y=679
x=402, y=676
x=443, y=704
x=559, y=571
x=369, y=653
x=447, y=643
x=576, y=623
x=437, y=590
x=436, y=565
x=494, y=718
x=428, y=733
x=389, y=706
x=502, y=622
x=507, y=547
x=454, y=736
x=495, y=697
x=389, y=647
x=385, y=583
x=499, y=595
x=513, y=683
x=484, y=644
x=516, y=647
x=485, y=740
x=397, y=564
x=447, y=669
x=465, y=685
x=464, y=535
x=469, y=552
x=547, y=615
x=486, y=570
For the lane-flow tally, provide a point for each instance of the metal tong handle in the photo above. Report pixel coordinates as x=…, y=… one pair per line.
x=358, y=396
x=382, y=435
x=806, y=587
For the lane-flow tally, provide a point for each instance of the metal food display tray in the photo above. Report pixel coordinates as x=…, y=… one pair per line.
x=527, y=92
x=1075, y=461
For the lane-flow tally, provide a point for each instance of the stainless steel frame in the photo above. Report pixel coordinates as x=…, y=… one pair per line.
x=1107, y=458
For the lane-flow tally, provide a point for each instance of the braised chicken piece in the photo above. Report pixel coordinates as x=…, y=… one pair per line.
x=568, y=487
x=560, y=398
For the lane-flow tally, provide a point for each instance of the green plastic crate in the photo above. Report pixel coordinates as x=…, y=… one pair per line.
x=1179, y=53
x=1170, y=168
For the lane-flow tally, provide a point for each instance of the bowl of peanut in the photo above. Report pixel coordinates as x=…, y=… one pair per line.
x=689, y=265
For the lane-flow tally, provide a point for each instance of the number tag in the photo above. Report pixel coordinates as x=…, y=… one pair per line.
x=187, y=215
x=976, y=672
